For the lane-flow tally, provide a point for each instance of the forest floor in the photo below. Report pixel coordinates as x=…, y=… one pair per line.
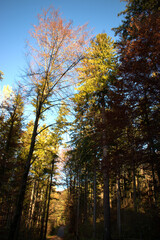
x=55, y=237
x=59, y=236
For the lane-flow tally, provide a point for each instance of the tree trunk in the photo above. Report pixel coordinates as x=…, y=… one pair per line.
x=151, y=148
x=95, y=202
x=78, y=205
x=44, y=211
x=106, y=207
x=105, y=166
x=118, y=207
x=86, y=198
x=32, y=202
x=134, y=190
x=49, y=196
x=154, y=185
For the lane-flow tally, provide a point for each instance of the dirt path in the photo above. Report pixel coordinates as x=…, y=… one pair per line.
x=54, y=238
x=60, y=234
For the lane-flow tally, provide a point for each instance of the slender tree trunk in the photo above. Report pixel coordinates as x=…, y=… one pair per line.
x=106, y=207
x=95, y=201
x=158, y=170
x=105, y=166
x=33, y=214
x=86, y=199
x=32, y=203
x=118, y=207
x=44, y=211
x=14, y=229
x=154, y=184
x=151, y=148
x=78, y=205
x=49, y=197
x=134, y=190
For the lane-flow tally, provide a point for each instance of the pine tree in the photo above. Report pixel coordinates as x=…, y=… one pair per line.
x=97, y=74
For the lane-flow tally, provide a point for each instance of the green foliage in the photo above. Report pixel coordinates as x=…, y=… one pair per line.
x=97, y=68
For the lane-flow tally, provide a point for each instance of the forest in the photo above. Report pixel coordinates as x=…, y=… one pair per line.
x=88, y=156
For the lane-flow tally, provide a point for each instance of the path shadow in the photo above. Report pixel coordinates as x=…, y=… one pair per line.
x=54, y=238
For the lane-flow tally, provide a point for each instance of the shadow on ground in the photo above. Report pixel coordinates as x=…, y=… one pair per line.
x=54, y=238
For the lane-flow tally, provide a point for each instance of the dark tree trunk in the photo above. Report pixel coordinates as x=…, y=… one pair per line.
x=95, y=201
x=106, y=207
x=78, y=207
x=118, y=207
x=105, y=166
x=44, y=212
x=32, y=203
x=86, y=198
x=151, y=147
x=49, y=197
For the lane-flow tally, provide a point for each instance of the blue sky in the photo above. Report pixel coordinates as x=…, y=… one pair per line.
x=17, y=17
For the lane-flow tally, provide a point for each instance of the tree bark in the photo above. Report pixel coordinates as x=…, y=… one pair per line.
x=118, y=207
x=78, y=205
x=49, y=197
x=134, y=190
x=105, y=166
x=44, y=211
x=95, y=202
x=86, y=198
x=106, y=207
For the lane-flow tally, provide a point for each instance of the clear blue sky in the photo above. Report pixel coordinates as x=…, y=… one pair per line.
x=17, y=17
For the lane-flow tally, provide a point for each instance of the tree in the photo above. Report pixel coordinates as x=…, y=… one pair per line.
x=42, y=174
x=97, y=75
x=11, y=130
x=139, y=48
x=58, y=49
x=11, y=165
x=1, y=75
x=140, y=75
x=134, y=8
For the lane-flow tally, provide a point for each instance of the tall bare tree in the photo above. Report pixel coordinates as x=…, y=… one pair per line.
x=57, y=47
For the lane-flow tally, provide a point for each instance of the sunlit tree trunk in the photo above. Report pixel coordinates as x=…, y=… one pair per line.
x=33, y=201
x=134, y=186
